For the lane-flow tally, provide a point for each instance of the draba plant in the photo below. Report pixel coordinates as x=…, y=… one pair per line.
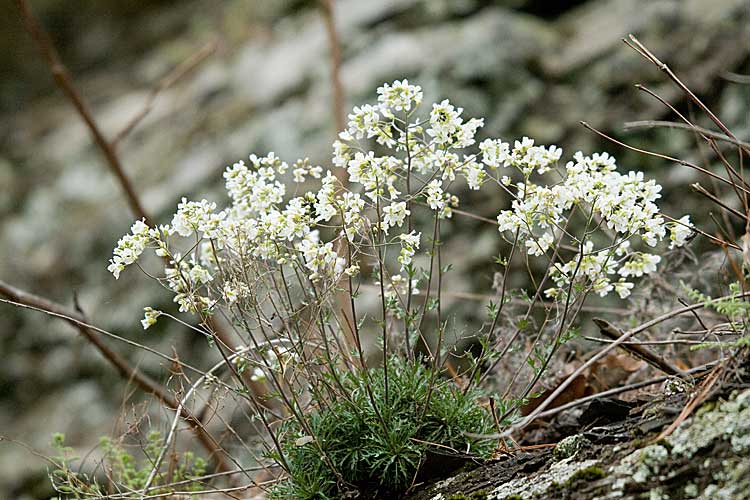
x=378, y=446
x=293, y=273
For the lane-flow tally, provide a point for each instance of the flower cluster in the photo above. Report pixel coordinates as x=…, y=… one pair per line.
x=616, y=209
x=324, y=234
x=130, y=247
x=264, y=228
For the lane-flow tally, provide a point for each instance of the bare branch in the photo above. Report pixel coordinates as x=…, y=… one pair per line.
x=636, y=45
x=65, y=82
x=667, y=124
x=173, y=77
x=663, y=157
x=326, y=7
x=637, y=350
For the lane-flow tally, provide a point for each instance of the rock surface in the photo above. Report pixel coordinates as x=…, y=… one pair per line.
x=705, y=458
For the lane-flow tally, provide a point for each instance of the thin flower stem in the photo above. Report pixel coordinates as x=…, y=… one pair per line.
x=381, y=270
x=407, y=315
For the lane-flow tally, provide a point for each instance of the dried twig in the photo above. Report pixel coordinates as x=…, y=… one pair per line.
x=695, y=400
x=734, y=176
x=339, y=119
x=179, y=410
x=612, y=332
x=173, y=77
x=736, y=78
x=647, y=342
x=636, y=45
x=624, y=337
x=667, y=124
x=65, y=82
x=701, y=190
x=326, y=7
x=618, y=390
x=663, y=157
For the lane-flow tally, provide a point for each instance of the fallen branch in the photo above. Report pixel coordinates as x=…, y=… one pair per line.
x=612, y=332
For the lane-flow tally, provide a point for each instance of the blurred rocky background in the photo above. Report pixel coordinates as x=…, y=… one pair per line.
x=530, y=67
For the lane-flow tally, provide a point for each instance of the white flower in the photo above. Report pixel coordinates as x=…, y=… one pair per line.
x=130, y=247
x=623, y=204
x=258, y=375
x=540, y=245
x=602, y=286
x=474, y=174
x=639, y=264
x=409, y=246
x=623, y=288
x=400, y=96
x=680, y=231
x=434, y=192
x=466, y=132
x=265, y=233
x=507, y=220
x=341, y=150
x=352, y=270
x=495, y=153
x=150, y=316
x=363, y=121
x=445, y=121
x=394, y=215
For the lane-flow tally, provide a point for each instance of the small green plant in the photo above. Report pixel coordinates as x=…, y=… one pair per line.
x=734, y=307
x=121, y=470
x=360, y=441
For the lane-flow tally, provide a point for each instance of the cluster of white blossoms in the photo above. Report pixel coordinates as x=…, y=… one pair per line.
x=329, y=233
x=588, y=200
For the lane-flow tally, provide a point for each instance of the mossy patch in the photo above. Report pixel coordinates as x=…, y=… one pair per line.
x=592, y=473
x=475, y=495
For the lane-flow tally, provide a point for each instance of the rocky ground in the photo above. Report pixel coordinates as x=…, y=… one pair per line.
x=611, y=449
x=529, y=68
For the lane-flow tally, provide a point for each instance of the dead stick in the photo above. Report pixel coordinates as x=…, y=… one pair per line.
x=335, y=47
x=695, y=128
x=636, y=45
x=662, y=156
x=173, y=77
x=701, y=190
x=63, y=79
x=611, y=331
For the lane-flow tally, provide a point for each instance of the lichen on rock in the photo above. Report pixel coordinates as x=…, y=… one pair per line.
x=559, y=473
